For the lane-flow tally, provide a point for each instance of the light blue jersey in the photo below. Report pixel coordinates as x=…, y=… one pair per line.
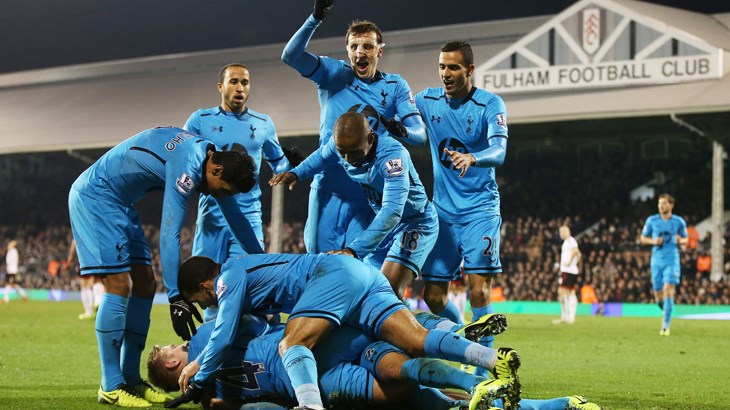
x=251, y=130
x=667, y=253
x=253, y=371
x=338, y=211
x=466, y=126
x=341, y=91
x=168, y=159
x=334, y=287
x=390, y=182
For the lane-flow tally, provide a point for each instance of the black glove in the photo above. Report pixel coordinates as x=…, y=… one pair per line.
x=181, y=313
x=322, y=8
x=395, y=128
x=293, y=155
x=192, y=393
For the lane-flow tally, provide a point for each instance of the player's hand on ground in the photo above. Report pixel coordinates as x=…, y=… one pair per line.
x=192, y=393
x=322, y=8
x=461, y=161
x=285, y=178
x=187, y=373
x=181, y=314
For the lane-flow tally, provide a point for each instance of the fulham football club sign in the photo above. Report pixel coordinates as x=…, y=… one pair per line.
x=600, y=44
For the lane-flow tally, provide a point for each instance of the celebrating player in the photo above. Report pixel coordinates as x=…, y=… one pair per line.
x=234, y=126
x=320, y=292
x=110, y=241
x=467, y=130
x=338, y=209
x=405, y=225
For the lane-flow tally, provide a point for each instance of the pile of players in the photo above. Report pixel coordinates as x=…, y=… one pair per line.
x=349, y=341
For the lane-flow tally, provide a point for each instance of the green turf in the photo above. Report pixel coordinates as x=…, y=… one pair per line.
x=48, y=359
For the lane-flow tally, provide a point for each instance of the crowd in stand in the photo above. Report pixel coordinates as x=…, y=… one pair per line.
x=613, y=264
x=537, y=194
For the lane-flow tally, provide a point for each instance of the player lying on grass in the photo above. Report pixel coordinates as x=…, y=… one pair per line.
x=383, y=376
x=320, y=292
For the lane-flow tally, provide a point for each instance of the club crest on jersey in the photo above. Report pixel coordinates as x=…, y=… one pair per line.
x=220, y=289
x=253, y=131
x=469, y=121
x=394, y=167
x=218, y=128
x=501, y=120
x=185, y=184
x=383, y=94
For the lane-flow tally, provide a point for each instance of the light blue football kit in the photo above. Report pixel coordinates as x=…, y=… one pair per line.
x=338, y=209
x=250, y=130
x=109, y=237
x=338, y=288
x=665, y=264
x=405, y=226
x=468, y=207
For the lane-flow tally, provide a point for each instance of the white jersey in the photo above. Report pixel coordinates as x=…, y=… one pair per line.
x=11, y=261
x=566, y=265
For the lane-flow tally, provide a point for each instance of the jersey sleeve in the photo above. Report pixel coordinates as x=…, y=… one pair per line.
x=230, y=290
x=193, y=123
x=647, y=229
x=394, y=169
x=496, y=117
x=181, y=180
x=682, y=229
x=239, y=225
x=317, y=161
x=273, y=153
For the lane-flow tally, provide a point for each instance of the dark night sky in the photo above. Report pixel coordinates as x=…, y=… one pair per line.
x=47, y=33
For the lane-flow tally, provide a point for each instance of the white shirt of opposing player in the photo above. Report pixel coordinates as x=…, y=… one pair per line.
x=11, y=261
x=569, y=244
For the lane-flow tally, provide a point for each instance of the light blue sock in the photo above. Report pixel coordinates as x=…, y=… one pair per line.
x=430, y=321
x=109, y=336
x=527, y=404
x=668, y=306
x=302, y=370
x=451, y=312
x=436, y=373
x=487, y=341
x=441, y=344
x=478, y=313
x=135, y=336
x=430, y=398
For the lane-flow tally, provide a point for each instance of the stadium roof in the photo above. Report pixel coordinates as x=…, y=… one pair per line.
x=98, y=105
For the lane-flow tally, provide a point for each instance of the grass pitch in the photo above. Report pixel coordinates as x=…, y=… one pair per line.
x=48, y=359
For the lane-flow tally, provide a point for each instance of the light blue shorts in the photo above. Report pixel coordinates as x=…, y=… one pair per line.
x=475, y=243
x=346, y=291
x=333, y=222
x=409, y=243
x=664, y=273
x=218, y=242
x=109, y=236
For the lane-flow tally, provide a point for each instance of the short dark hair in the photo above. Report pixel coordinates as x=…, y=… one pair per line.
x=668, y=197
x=362, y=27
x=222, y=73
x=194, y=271
x=461, y=46
x=239, y=168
